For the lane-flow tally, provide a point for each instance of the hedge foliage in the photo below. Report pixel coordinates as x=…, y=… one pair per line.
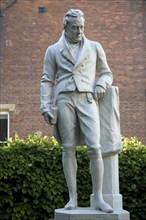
x=132, y=171
x=32, y=182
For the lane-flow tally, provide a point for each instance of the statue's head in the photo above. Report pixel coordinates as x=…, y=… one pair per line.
x=74, y=25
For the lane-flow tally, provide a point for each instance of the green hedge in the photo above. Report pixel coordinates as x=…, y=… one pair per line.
x=32, y=182
x=132, y=170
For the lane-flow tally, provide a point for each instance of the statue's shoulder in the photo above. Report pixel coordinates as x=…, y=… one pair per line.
x=52, y=48
x=95, y=44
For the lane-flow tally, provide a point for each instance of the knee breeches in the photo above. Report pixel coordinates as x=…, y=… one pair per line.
x=78, y=112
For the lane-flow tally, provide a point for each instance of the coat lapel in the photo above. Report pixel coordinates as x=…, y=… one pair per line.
x=64, y=50
x=83, y=54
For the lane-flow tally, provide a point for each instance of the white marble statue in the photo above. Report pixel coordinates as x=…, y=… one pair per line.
x=68, y=81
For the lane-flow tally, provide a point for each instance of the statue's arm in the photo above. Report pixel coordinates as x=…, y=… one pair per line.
x=47, y=83
x=105, y=75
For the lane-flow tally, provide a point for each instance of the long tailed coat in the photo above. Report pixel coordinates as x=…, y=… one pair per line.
x=62, y=73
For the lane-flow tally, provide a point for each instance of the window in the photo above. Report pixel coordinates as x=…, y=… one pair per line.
x=4, y=127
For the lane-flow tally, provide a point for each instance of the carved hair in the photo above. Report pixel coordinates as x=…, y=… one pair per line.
x=72, y=13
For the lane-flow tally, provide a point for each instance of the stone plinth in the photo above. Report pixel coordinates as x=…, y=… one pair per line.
x=111, y=183
x=90, y=214
x=111, y=190
x=111, y=196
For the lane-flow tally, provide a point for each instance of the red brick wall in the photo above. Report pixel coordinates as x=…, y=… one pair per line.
x=25, y=34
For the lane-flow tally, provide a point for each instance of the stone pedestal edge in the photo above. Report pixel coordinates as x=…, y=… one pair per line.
x=90, y=214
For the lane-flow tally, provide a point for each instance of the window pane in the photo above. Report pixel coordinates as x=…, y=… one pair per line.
x=3, y=128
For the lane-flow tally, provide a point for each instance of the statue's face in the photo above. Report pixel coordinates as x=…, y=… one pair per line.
x=74, y=29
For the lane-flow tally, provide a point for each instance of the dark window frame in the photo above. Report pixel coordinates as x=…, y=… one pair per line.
x=7, y=115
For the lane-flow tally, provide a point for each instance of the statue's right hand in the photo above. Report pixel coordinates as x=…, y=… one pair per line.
x=47, y=117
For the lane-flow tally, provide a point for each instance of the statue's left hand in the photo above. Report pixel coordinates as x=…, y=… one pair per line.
x=48, y=116
x=99, y=92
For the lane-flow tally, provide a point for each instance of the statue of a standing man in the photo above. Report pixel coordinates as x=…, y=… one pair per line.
x=68, y=80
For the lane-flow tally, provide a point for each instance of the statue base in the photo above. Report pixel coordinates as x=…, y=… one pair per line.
x=90, y=214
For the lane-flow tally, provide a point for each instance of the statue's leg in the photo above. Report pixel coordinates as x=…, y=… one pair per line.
x=67, y=130
x=70, y=170
x=90, y=125
x=97, y=169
